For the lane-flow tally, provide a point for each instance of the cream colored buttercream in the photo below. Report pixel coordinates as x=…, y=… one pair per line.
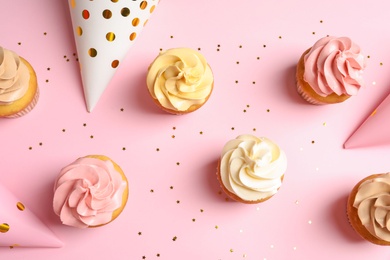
x=14, y=76
x=373, y=205
x=252, y=167
x=180, y=78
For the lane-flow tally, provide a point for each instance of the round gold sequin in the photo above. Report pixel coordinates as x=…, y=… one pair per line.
x=143, y=5
x=20, y=206
x=92, y=52
x=114, y=1
x=115, y=64
x=125, y=12
x=135, y=21
x=4, y=228
x=79, y=31
x=107, y=14
x=132, y=36
x=85, y=14
x=110, y=36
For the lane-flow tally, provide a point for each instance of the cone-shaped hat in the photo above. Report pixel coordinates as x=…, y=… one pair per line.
x=104, y=31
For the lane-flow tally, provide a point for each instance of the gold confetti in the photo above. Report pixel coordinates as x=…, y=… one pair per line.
x=20, y=206
x=4, y=228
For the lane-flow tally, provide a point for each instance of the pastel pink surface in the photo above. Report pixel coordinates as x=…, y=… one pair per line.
x=176, y=209
x=25, y=229
x=374, y=130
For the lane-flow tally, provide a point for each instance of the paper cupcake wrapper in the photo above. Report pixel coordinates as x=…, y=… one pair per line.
x=19, y=227
x=28, y=108
x=374, y=130
x=307, y=97
x=104, y=31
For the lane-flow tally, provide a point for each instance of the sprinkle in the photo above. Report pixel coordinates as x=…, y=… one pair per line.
x=309, y=222
x=373, y=83
x=174, y=238
x=231, y=250
x=296, y=202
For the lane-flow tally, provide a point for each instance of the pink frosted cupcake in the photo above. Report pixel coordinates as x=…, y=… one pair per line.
x=90, y=192
x=330, y=71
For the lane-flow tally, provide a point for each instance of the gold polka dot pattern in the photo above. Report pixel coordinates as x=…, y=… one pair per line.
x=136, y=11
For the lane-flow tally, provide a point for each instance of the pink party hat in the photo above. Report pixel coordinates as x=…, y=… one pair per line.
x=104, y=31
x=375, y=130
x=19, y=227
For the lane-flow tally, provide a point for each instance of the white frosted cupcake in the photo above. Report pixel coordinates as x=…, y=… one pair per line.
x=251, y=169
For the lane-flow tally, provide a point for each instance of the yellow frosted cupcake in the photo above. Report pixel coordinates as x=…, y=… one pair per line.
x=90, y=192
x=368, y=208
x=180, y=81
x=330, y=71
x=18, y=85
x=251, y=169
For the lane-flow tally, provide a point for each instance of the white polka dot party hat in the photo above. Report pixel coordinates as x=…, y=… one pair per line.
x=104, y=31
x=19, y=227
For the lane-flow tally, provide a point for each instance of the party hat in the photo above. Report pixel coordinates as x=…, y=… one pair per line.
x=19, y=227
x=375, y=130
x=104, y=30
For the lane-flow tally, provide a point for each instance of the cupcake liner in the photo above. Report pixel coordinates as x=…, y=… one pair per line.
x=30, y=107
x=306, y=96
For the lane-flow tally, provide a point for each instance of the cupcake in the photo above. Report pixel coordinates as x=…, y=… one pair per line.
x=330, y=71
x=90, y=192
x=251, y=169
x=180, y=81
x=18, y=85
x=368, y=208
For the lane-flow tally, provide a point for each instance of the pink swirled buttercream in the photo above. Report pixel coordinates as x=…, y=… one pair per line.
x=87, y=192
x=373, y=204
x=334, y=65
x=14, y=76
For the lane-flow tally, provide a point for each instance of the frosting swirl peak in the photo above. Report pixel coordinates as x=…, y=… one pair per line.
x=372, y=202
x=334, y=65
x=180, y=78
x=14, y=76
x=87, y=192
x=252, y=168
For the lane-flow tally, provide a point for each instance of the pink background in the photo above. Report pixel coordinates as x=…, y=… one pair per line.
x=174, y=191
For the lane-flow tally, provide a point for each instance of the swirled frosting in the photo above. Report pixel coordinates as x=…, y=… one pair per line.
x=373, y=205
x=334, y=65
x=180, y=78
x=252, y=167
x=14, y=76
x=87, y=192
